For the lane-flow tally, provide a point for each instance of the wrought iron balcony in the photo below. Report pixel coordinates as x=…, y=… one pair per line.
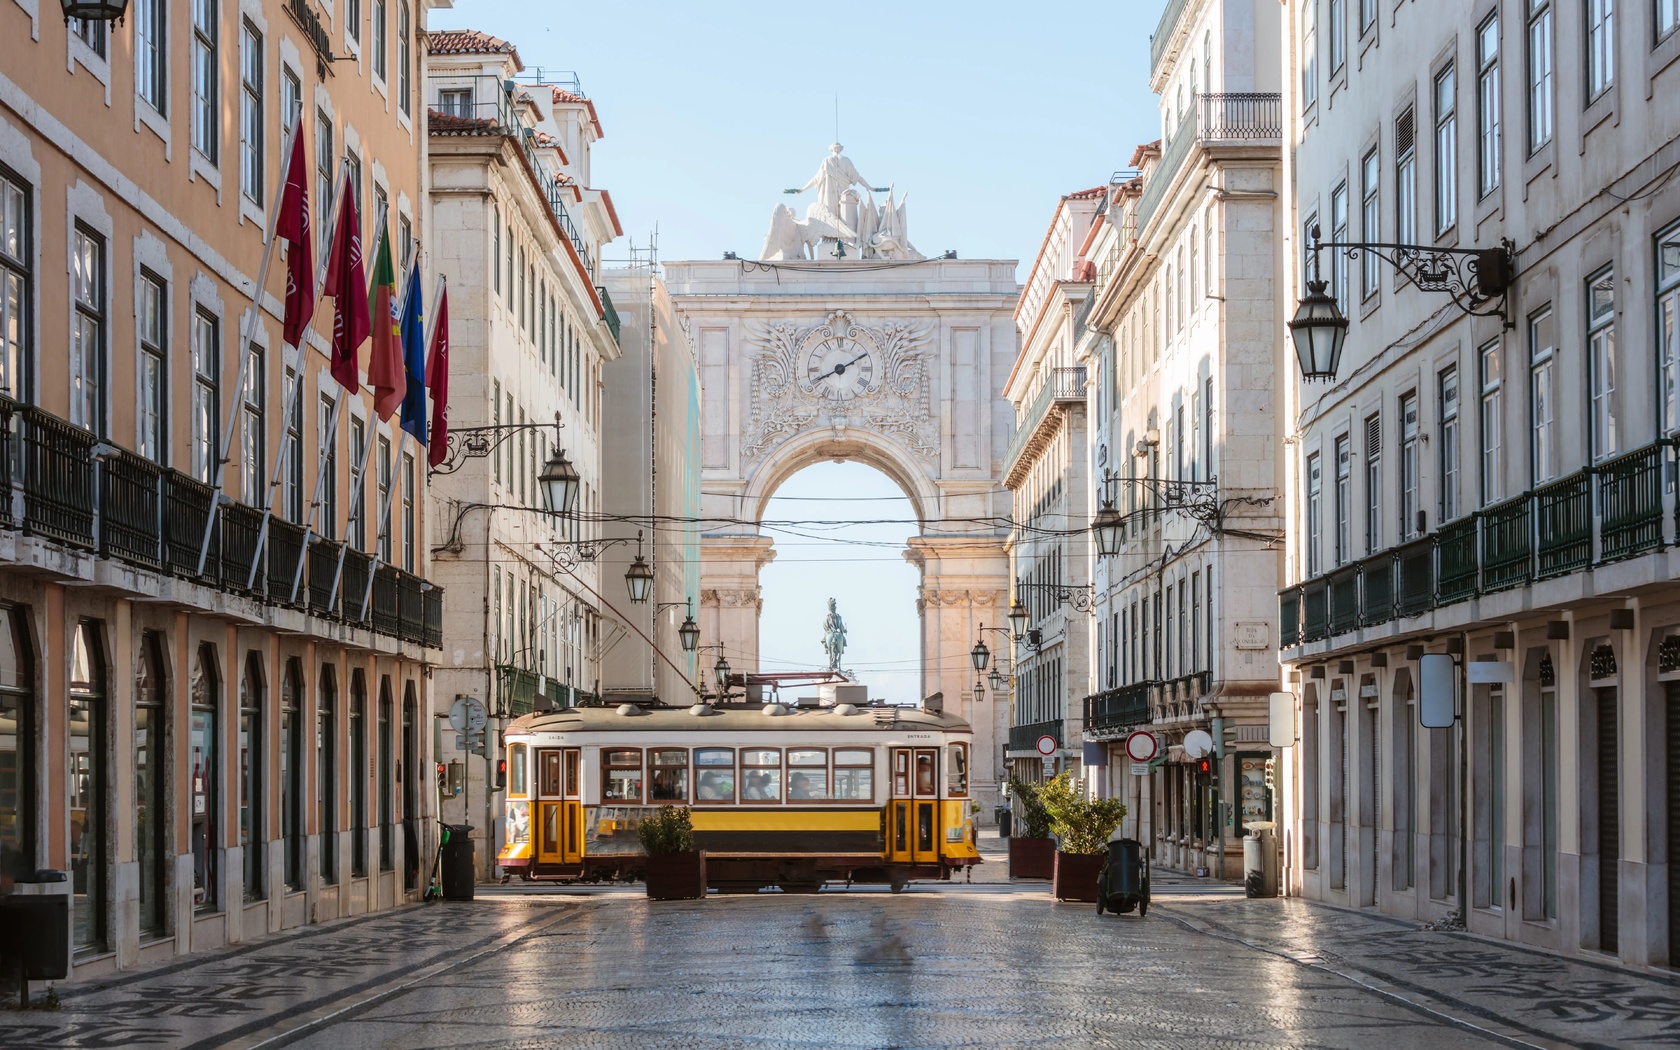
x=1630, y=504
x=1213, y=119
x=1025, y=737
x=1061, y=386
x=1123, y=706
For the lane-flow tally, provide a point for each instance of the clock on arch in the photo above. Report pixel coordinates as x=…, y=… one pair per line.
x=839, y=367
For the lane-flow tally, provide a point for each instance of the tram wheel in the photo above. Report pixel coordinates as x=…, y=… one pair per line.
x=898, y=885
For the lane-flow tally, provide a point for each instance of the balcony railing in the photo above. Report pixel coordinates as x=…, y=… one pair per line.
x=1602, y=514
x=1213, y=119
x=1025, y=737
x=1062, y=385
x=70, y=488
x=1344, y=599
x=609, y=313
x=1164, y=31
x=1126, y=705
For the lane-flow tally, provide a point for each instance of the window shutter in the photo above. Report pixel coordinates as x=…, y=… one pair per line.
x=1405, y=132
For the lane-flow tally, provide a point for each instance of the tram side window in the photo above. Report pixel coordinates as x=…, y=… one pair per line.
x=807, y=775
x=901, y=774
x=761, y=774
x=854, y=775
x=956, y=770
x=517, y=770
x=714, y=774
x=621, y=776
x=668, y=776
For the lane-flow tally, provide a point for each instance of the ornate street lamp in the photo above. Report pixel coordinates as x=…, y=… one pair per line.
x=1109, y=528
x=721, y=670
x=559, y=482
x=979, y=691
x=689, y=632
x=639, y=577
x=95, y=10
x=1017, y=619
x=980, y=655
x=1319, y=330
x=997, y=680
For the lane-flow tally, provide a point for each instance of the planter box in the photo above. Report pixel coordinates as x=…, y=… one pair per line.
x=676, y=876
x=1032, y=858
x=1076, y=876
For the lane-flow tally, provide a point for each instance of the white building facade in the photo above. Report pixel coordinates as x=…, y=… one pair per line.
x=519, y=237
x=1499, y=487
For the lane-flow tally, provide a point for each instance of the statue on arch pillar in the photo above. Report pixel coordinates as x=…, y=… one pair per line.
x=834, y=636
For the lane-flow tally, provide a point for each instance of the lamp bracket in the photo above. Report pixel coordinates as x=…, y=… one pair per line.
x=1077, y=595
x=482, y=442
x=1478, y=279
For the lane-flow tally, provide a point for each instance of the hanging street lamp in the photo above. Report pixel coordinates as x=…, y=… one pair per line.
x=95, y=10
x=1319, y=330
x=1017, y=619
x=559, y=481
x=639, y=577
x=689, y=632
x=980, y=655
x=1109, y=529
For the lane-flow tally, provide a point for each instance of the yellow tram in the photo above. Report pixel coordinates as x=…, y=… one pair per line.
x=778, y=796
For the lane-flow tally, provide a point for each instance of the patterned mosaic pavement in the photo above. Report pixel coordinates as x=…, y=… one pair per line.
x=948, y=966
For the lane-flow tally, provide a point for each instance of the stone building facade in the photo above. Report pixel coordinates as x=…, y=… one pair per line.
x=213, y=682
x=1498, y=487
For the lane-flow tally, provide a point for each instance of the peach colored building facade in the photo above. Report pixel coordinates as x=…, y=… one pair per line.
x=224, y=740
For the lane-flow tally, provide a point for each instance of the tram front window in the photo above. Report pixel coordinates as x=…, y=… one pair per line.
x=621, y=776
x=669, y=776
x=956, y=771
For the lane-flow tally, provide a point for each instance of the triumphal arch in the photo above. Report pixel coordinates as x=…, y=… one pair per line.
x=841, y=341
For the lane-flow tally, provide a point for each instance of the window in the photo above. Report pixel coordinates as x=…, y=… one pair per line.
x=292, y=498
x=1373, y=484
x=1668, y=19
x=353, y=19
x=495, y=243
x=16, y=256
x=1344, y=500
x=379, y=43
x=153, y=318
x=1405, y=177
x=380, y=525
x=292, y=772
x=1408, y=467
x=1339, y=232
x=87, y=722
x=1338, y=35
x=384, y=771
x=251, y=432
x=1367, y=15
x=1601, y=361
x=405, y=57
x=1601, y=47
x=458, y=102
x=1315, y=489
x=1449, y=444
x=669, y=775
x=326, y=445
x=151, y=53
x=714, y=774
x=761, y=774
x=326, y=773
x=1309, y=53
x=251, y=782
x=854, y=775
x=150, y=756
x=291, y=98
x=807, y=774
x=1492, y=426
x=1487, y=107
x=355, y=530
x=206, y=401
x=1370, y=221
x=324, y=182
x=1195, y=289
x=1446, y=151
x=251, y=129
x=204, y=773
x=408, y=513
x=1668, y=334
x=17, y=747
x=1207, y=250
x=405, y=241
x=87, y=340
x=621, y=775
x=956, y=770
x=91, y=32
x=1540, y=93
x=1543, y=450
x=206, y=93
x=358, y=775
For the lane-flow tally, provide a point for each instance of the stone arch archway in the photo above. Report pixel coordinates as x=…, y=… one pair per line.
x=899, y=367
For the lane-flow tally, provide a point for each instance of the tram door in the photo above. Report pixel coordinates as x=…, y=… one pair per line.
x=559, y=809
x=913, y=827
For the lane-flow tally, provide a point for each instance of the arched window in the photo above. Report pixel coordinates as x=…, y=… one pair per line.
x=89, y=781
x=408, y=774
x=251, y=775
x=326, y=774
x=358, y=774
x=291, y=771
x=385, y=800
x=204, y=773
x=151, y=760
x=17, y=744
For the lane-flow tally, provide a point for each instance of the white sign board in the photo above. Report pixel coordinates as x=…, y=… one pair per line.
x=1437, y=691
x=1280, y=729
x=467, y=715
x=1251, y=636
x=1490, y=672
x=1198, y=743
x=1140, y=769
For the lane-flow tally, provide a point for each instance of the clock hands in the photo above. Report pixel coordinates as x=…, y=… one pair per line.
x=840, y=369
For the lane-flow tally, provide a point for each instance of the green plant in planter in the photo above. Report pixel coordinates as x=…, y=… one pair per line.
x=668, y=831
x=1082, y=824
x=1035, y=819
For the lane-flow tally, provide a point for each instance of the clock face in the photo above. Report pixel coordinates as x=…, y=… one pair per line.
x=839, y=368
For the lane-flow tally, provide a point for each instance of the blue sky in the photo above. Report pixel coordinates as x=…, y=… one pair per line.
x=984, y=113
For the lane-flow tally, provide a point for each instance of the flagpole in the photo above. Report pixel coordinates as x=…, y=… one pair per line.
x=359, y=475
x=331, y=440
x=247, y=334
x=385, y=517
x=295, y=393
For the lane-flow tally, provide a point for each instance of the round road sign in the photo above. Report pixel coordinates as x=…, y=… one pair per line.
x=1046, y=745
x=1198, y=743
x=1141, y=746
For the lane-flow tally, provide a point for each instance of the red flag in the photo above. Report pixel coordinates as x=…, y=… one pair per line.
x=347, y=284
x=293, y=227
x=437, y=379
x=385, y=364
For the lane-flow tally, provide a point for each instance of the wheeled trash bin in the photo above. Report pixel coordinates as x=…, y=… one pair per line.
x=1123, y=883
x=458, y=873
x=35, y=934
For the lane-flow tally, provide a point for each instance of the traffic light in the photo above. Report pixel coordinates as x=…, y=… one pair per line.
x=1204, y=766
x=443, y=776
x=501, y=774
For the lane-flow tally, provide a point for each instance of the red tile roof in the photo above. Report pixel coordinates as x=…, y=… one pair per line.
x=470, y=42
x=1085, y=195
x=564, y=97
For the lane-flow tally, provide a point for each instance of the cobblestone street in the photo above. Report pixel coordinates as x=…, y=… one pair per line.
x=989, y=965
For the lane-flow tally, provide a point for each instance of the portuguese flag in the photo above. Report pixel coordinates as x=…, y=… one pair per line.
x=385, y=364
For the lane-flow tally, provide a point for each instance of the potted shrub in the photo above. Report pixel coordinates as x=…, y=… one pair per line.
x=1082, y=827
x=1032, y=852
x=675, y=869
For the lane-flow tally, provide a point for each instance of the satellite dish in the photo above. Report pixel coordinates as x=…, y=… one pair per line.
x=1198, y=743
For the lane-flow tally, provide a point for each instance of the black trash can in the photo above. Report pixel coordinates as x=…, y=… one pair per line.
x=458, y=869
x=35, y=934
x=1125, y=867
x=1004, y=817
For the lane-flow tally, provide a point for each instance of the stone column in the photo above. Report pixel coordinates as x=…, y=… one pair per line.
x=730, y=598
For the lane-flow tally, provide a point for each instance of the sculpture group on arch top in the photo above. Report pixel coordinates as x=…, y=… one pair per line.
x=841, y=223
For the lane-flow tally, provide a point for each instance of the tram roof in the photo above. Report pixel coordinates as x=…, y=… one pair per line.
x=739, y=719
